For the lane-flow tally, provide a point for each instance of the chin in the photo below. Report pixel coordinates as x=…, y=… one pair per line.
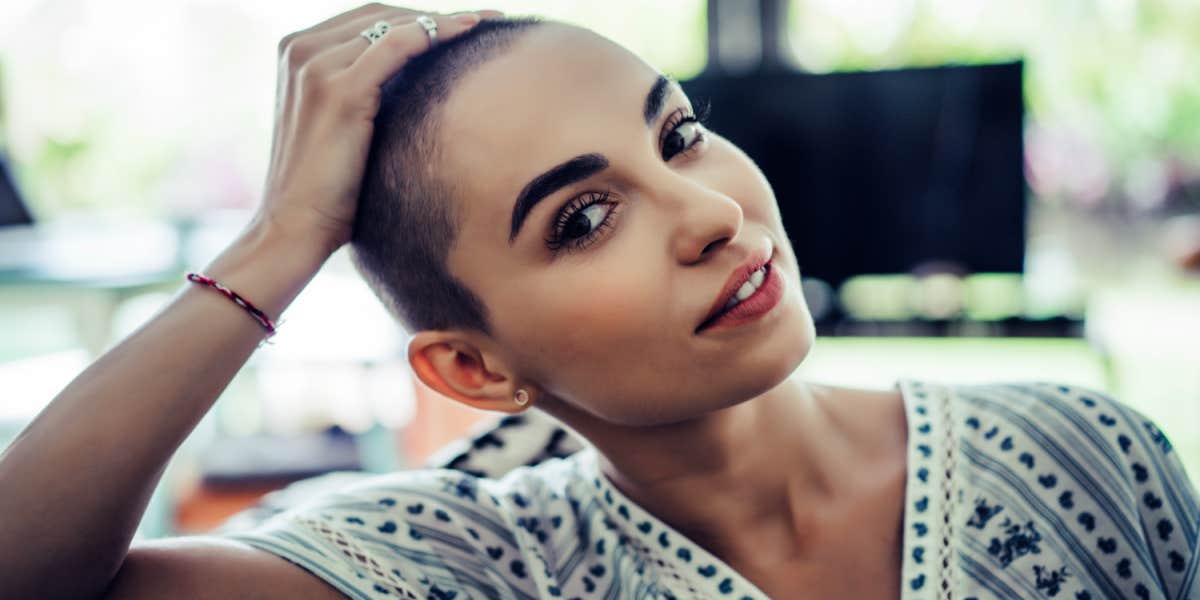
x=753, y=374
x=766, y=371
x=795, y=343
x=790, y=340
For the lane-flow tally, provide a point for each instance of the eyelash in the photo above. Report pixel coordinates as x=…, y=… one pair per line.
x=578, y=204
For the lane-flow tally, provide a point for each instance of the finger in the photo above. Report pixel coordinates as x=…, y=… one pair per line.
x=310, y=40
x=314, y=43
x=343, y=52
x=343, y=55
x=392, y=15
x=385, y=57
x=303, y=45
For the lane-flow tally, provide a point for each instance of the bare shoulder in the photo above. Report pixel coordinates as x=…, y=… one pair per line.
x=211, y=567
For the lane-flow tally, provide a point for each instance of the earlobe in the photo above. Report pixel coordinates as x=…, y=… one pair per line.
x=455, y=368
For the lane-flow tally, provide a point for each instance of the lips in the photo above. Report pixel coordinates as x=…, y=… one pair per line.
x=739, y=276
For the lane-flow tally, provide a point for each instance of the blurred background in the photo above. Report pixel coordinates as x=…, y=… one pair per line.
x=976, y=191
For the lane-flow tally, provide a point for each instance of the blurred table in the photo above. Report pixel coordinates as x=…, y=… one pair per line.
x=89, y=267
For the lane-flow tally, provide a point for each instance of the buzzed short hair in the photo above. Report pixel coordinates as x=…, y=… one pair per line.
x=407, y=218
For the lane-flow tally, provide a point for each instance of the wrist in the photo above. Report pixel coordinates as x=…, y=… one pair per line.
x=306, y=242
x=267, y=266
x=303, y=226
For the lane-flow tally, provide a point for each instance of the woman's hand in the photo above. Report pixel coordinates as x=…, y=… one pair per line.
x=327, y=97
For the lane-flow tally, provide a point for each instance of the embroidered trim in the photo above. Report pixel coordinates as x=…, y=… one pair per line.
x=684, y=569
x=361, y=557
x=945, y=583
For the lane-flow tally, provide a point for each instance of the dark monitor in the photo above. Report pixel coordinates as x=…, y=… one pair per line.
x=12, y=208
x=883, y=172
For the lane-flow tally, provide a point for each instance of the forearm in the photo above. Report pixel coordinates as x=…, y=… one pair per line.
x=76, y=481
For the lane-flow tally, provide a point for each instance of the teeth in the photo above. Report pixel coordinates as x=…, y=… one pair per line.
x=745, y=291
x=747, y=288
x=758, y=276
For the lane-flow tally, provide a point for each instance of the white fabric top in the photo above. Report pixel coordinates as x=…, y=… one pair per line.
x=1020, y=490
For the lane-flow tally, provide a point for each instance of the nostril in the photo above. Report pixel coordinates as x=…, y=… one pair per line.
x=714, y=244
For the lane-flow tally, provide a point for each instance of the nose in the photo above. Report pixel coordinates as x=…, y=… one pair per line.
x=704, y=220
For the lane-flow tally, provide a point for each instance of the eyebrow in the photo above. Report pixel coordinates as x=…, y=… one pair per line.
x=580, y=167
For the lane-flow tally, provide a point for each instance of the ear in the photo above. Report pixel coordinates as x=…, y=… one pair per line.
x=453, y=364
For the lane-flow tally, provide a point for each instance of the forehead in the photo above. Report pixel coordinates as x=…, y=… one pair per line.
x=558, y=91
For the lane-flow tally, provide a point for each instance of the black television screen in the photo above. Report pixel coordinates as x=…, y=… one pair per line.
x=885, y=171
x=12, y=208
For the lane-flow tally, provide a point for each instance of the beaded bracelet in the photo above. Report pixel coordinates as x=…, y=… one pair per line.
x=258, y=315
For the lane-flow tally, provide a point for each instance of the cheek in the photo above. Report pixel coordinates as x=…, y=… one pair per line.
x=595, y=317
x=577, y=321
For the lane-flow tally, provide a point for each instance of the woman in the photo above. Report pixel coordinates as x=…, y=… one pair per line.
x=544, y=211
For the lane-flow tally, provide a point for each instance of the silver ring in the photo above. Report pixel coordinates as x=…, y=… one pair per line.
x=430, y=28
x=376, y=31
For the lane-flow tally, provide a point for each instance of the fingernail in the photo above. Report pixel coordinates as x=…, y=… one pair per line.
x=467, y=18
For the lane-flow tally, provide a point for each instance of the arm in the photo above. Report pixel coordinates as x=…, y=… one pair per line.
x=203, y=568
x=76, y=481
x=78, y=478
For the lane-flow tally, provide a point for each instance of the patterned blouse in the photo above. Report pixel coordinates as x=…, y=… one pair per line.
x=1024, y=490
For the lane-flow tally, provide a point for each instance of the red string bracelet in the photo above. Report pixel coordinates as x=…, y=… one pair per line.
x=258, y=315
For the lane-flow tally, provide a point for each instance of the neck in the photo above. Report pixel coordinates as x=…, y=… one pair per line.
x=733, y=480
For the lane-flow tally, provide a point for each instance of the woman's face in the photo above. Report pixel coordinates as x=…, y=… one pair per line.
x=605, y=316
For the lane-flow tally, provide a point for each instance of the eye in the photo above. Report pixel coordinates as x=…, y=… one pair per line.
x=684, y=136
x=682, y=131
x=581, y=222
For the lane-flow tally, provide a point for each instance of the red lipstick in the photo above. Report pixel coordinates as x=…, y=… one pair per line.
x=764, y=298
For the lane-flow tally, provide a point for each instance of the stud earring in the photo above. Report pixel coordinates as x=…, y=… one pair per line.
x=521, y=397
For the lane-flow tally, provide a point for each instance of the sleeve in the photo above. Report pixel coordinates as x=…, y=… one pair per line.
x=1167, y=500
x=494, y=449
x=414, y=534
